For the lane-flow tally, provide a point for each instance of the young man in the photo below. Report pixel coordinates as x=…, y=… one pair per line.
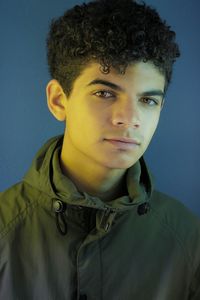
x=86, y=222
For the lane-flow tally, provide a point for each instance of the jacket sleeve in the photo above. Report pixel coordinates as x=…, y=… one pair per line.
x=195, y=286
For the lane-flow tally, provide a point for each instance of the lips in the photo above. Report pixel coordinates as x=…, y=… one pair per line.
x=126, y=140
x=123, y=143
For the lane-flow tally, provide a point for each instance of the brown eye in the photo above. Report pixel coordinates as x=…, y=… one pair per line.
x=104, y=94
x=149, y=101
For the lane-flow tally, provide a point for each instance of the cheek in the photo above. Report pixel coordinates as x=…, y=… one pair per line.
x=83, y=126
x=76, y=117
x=150, y=126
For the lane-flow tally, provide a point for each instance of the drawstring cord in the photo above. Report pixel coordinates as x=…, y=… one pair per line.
x=106, y=219
x=59, y=209
x=60, y=217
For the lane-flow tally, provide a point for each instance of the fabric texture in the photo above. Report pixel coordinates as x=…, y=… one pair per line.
x=59, y=243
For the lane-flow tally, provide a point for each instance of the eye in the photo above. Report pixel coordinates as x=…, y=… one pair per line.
x=104, y=94
x=149, y=101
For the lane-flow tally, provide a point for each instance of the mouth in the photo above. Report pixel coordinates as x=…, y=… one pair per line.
x=124, y=143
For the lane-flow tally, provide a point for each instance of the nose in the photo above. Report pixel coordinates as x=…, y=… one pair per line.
x=126, y=114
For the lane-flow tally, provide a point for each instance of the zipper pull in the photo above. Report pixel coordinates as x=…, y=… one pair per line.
x=106, y=219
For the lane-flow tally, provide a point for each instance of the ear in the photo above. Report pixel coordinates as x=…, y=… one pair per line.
x=56, y=100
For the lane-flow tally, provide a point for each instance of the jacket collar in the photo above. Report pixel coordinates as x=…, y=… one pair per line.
x=45, y=174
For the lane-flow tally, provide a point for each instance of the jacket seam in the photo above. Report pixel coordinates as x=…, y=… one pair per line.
x=10, y=225
x=177, y=238
x=101, y=268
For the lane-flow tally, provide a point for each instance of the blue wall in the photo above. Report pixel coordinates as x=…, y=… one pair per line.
x=26, y=123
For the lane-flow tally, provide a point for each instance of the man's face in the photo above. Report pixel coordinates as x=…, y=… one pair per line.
x=111, y=118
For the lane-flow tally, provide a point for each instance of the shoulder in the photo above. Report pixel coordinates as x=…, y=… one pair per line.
x=172, y=210
x=14, y=203
x=179, y=221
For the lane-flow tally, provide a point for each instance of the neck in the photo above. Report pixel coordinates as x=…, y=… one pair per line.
x=91, y=177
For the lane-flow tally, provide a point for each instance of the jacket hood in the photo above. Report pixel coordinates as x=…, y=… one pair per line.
x=46, y=176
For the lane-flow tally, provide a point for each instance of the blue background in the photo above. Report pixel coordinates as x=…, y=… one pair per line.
x=26, y=123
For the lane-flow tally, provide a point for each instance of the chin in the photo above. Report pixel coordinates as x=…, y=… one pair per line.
x=120, y=164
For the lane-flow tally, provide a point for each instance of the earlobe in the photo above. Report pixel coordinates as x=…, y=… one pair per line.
x=56, y=100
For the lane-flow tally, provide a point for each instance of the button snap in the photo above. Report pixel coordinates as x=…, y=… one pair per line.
x=59, y=206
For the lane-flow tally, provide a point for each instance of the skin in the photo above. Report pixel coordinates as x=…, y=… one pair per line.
x=95, y=114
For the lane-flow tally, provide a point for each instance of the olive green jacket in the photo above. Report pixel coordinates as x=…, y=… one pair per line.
x=58, y=243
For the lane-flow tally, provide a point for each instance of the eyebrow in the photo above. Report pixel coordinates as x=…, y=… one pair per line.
x=107, y=83
x=118, y=88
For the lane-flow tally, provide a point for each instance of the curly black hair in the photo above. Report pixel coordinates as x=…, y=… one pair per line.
x=113, y=33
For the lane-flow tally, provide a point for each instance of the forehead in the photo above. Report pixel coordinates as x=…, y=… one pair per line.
x=137, y=75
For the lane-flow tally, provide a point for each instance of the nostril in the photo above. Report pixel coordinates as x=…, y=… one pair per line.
x=125, y=124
